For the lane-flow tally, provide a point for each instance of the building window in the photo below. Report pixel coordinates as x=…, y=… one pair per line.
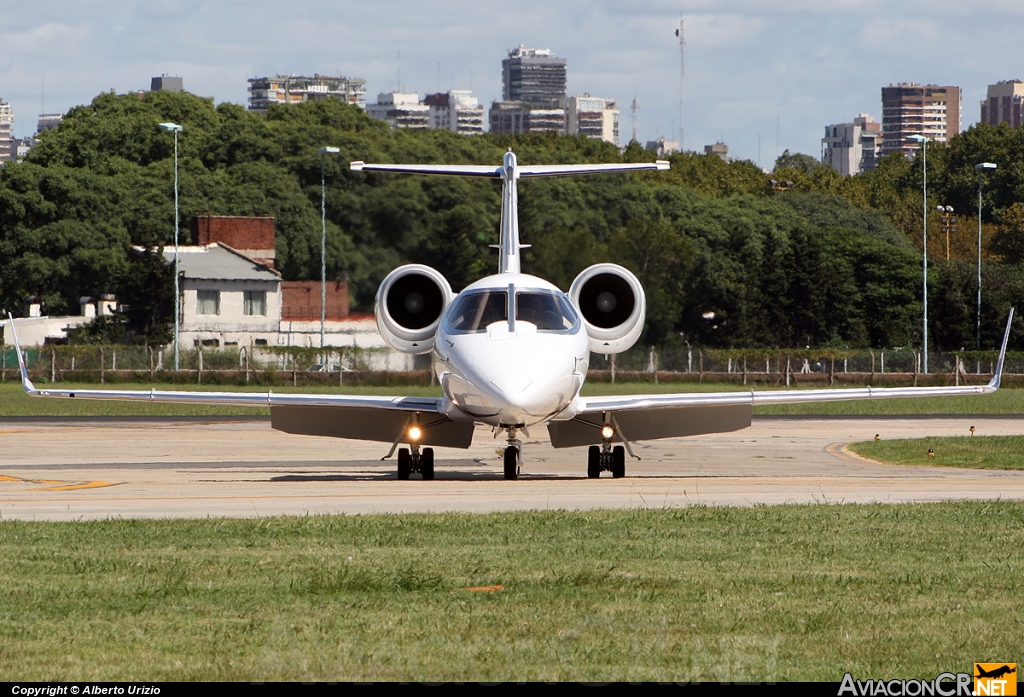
x=208, y=302
x=255, y=302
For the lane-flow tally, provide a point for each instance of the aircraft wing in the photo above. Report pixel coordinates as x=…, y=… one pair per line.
x=652, y=416
x=524, y=171
x=360, y=417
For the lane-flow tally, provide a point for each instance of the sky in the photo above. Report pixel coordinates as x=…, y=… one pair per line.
x=760, y=76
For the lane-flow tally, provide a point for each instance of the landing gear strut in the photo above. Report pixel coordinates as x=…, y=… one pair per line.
x=416, y=461
x=605, y=458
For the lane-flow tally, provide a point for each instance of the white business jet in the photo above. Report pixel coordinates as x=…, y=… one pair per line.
x=512, y=351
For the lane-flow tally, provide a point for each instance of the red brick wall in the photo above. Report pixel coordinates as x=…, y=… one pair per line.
x=237, y=232
x=300, y=300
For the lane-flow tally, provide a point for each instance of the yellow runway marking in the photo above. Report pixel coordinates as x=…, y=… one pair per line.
x=61, y=484
x=840, y=450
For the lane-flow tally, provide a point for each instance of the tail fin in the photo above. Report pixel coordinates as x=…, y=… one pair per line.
x=26, y=383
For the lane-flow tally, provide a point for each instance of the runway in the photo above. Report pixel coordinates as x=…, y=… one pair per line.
x=165, y=468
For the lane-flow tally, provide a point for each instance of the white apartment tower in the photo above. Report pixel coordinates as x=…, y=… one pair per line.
x=456, y=110
x=852, y=148
x=593, y=117
x=401, y=110
x=8, y=148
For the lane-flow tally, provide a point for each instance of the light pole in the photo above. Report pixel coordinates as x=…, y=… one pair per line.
x=924, y=170
x=980, y=169
x=323, y=244
x=175, y=128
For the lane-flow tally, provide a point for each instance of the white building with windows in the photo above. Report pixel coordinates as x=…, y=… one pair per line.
x=227, y=299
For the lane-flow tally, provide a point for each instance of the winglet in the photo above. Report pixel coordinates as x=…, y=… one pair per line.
x=26, y=383
x=994, y=382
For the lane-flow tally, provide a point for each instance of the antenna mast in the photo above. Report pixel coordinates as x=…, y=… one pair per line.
x=682, y=72
x=633, y=109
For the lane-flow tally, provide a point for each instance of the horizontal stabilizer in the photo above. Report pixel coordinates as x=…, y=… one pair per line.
x=451, y=170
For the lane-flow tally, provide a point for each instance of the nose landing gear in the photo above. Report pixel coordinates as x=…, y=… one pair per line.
x=416, y=461
x=513, y=455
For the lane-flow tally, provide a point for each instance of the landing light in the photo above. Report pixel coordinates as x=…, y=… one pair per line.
x=607, y=432
x=415, y=433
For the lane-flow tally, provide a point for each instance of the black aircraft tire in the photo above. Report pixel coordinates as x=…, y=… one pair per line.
x=618, y=462
x=511, y=462
x=404, y=463
x=594, y=462
x=427, y=464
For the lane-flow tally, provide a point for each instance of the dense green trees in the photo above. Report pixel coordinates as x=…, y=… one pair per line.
x=725, y=259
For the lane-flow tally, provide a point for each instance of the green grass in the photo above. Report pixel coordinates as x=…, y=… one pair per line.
x=977, y=452
x=14, y=402
x=769, y=593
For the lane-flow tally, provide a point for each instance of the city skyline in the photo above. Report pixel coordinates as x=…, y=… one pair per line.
x=770, y=75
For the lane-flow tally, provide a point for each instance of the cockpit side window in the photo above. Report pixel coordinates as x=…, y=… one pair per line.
x=547, y=311
x=472, y=313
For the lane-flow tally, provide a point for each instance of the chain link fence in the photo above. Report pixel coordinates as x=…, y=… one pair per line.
x=354, y=365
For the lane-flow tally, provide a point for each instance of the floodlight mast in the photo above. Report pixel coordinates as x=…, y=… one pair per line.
x=323, y=152
x=175, y=128
x=980, y=169
x=924, y=230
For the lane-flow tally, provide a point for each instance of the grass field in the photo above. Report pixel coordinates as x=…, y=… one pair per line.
x=14, y=402
x=981, y=452
x=780, y=593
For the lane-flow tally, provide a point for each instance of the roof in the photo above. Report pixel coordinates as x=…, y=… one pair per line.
x=219, y=262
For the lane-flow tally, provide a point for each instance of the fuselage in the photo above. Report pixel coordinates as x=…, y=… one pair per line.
x=511, y=350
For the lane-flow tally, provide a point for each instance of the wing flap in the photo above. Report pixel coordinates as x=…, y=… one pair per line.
x=363, y=424
x=651, y=424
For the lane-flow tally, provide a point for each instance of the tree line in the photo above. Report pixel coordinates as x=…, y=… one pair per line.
x=727, y=259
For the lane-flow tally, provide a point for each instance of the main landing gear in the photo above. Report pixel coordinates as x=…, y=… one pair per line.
x=605, y=458
x=416, y=461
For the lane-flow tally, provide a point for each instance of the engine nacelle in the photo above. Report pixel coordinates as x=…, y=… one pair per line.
x=409, y=305
x=613, y=306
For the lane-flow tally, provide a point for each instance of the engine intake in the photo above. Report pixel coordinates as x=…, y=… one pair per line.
x=409, y=305
x=613, y=306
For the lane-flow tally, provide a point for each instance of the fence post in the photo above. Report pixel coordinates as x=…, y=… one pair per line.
x=881, y=356
x=789, y=371
x=655, y=354
x=700, y=358
x=689, y=359
x=53, y=365
x=744, y=370
x=199, y=373
x=832, y=371
x=613, y=368
x=113, y=365
x=915, y=354
x=956, y=369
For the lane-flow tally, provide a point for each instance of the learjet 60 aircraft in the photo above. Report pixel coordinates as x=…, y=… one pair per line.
x=511, y=351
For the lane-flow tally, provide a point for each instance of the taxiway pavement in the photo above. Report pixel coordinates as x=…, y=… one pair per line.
x=62, y=469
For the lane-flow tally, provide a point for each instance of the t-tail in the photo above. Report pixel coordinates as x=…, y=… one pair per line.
x=510, y=172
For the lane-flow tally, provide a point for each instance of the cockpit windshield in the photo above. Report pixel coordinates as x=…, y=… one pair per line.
x=472, y=313
x=547, y=311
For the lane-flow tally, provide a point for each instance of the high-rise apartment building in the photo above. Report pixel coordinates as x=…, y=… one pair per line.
x=533, y=93
x=294, y=89
x=401, y=110
x=1003, y=103
x=911, y=109
x=8, y=148
x=456, y=110
x=534, y=76
x=593, y=117
x=852, y=148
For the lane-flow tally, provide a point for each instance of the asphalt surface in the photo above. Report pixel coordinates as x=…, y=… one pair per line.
x=55, y=469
